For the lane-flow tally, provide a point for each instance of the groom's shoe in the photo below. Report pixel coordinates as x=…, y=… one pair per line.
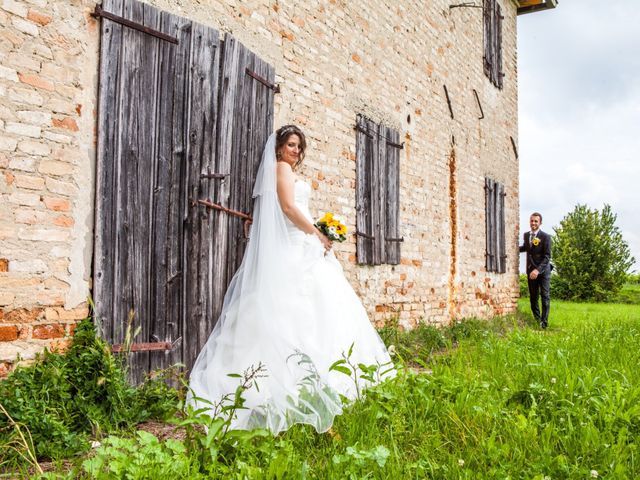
x=543, y=325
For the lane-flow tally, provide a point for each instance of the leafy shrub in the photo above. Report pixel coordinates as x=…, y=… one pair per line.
x=524, y=286
x=65, y=399
x=629, y=293
x=633, y=278
x=590, y=255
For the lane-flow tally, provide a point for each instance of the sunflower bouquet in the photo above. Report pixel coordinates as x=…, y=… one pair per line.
x=333, y=227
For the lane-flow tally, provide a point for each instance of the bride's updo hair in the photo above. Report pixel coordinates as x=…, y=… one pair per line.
x=283, y=134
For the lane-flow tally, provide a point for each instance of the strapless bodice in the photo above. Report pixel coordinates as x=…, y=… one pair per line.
x=302, y=192
x=301, y=195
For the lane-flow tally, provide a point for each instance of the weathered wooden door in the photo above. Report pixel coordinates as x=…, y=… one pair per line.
x=182, y=117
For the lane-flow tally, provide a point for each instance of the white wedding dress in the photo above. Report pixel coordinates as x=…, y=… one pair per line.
x=293, y=311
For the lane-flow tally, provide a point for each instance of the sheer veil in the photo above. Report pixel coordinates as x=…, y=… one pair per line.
x=252, y=283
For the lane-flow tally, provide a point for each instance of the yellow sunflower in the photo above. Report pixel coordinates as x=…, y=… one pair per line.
x=327, y=218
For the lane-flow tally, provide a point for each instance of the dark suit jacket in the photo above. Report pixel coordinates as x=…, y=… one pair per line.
x=538, y=256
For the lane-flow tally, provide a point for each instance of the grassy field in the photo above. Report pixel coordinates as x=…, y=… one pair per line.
x=494, y=399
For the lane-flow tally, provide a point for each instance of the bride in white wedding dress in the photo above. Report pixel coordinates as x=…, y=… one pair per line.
x=289, y=308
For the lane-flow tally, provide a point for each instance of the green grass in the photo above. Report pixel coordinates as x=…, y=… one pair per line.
x=504, y=400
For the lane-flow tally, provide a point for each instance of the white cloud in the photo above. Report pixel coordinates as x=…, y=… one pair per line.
x=580, y=112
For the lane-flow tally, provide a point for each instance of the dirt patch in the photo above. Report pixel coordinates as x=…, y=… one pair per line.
x=163, y=431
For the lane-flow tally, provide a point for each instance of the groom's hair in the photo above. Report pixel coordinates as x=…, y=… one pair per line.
x=536, y=214
x=283, y=134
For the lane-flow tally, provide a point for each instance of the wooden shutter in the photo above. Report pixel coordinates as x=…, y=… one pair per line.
x=495, y=226
x=377, y=193
x=489, y=222
x=501, y=244
x=366, y=160
x=492, y=27
x=391, y=184
x=487, y=15
x=499, y=74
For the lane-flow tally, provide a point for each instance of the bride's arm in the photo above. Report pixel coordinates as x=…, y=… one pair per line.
x=285, y=187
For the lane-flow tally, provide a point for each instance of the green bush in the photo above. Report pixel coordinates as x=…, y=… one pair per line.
x=629, y=293
x=524, y=285
x=590, y=256
x=633, y=278
x=64, y=400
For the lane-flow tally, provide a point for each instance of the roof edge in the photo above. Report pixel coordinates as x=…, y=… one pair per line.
x=531, y=6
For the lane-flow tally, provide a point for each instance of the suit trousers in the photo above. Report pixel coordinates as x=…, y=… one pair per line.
x=540, y=288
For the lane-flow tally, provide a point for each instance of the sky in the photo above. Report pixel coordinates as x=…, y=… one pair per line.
x=579, y=112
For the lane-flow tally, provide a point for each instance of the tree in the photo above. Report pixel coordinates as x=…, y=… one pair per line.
x=590, y=255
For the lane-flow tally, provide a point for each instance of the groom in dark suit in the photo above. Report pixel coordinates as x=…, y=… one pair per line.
x=537, y=244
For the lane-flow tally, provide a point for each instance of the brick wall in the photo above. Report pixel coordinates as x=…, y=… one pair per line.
x=333, y=59
x=47, y=97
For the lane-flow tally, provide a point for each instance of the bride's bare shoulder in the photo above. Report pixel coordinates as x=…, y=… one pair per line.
x=284, y=170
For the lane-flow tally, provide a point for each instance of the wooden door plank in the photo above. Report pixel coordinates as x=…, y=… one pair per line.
x=164, y=321
x=106, y=173
x=202, y=93
x=141, y=135
x=228, y=85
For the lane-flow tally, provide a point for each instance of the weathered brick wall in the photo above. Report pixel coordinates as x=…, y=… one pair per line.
x=47, y=99
x=333, y=59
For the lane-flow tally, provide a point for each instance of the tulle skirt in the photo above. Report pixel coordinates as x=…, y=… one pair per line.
x=311, y=318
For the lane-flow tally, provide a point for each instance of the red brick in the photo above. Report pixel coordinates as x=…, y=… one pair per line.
x=48, y=331
x=22, y=315
x=72, y=329
x=8, y=333
x=36, y=81
x=60, y=346
x=63, y=221
x=287, y=34
x=23, y=332
x=57, y=204
x=66, y=122
x=5, y=368
x=39, y=18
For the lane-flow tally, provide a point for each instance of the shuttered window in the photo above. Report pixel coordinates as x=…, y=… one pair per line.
x=496, y=258
x=377, y=193
x=492, y=14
